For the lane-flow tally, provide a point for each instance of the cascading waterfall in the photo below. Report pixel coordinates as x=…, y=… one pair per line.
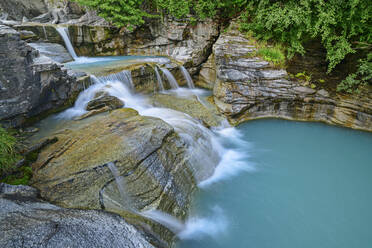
x=159, y=79
x=63, y=31
x=188, y=78
x=172, y=81
x=207, y=155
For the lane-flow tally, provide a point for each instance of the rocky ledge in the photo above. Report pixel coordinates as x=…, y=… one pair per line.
x=247, y=87
x=28, y=221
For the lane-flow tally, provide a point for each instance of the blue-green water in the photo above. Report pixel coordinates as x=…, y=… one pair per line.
x=311, y=187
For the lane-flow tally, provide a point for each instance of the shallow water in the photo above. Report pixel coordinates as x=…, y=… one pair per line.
x=102, y=65
x=310, y=186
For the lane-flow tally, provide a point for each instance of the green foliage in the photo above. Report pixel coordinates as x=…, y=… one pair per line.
x=272, y=54
x=121, y=13
x=337, y=23
x=303, y=76
x=362, y=76
x=8, y=154
x=22, y=176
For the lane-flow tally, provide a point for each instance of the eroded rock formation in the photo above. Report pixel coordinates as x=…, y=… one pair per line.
x=247, y=87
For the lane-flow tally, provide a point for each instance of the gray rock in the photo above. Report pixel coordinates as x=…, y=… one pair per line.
x=31, y=84
x=304, y=90
x=17, y=9
x=27, y=221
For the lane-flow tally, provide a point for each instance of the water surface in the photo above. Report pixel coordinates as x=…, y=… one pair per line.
x=311, y=187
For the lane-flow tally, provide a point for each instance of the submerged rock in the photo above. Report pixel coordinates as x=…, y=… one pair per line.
x=27, y=221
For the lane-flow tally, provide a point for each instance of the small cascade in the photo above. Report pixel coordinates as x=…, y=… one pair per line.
x=120, y=183
x=188, y=78
x=45, y=33
x=172, y=81
x=159, y=79
x=160, y=217
x=63, y=31
x=123, y=76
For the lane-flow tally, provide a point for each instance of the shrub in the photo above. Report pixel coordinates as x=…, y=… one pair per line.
x=8, y=154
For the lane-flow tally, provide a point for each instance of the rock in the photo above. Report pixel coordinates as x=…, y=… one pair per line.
x=43, y=18
x=207, y=75
x=53, y=51
x=31, y=85
x=323, y=93
x=17, y=9
x=248, y=88
x=304, y=90
x=27, y=35
x=201, y=110
x=28, y=221
x=93, y=112
x=105, y=101
x=151, y=157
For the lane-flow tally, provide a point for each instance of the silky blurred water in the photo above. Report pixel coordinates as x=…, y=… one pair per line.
x=311, y=186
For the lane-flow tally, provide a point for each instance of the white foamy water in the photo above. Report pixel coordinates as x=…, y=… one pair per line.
x=188, y=78
x=198, y=227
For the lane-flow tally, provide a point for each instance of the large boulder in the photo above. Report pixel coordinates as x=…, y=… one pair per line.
x=248, y=87
x=152, y=159
x=30, y=84
x=27, y=221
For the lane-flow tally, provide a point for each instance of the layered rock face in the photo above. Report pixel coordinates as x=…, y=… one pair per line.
x=31, y=84
x=248, y=87
x=27, y=221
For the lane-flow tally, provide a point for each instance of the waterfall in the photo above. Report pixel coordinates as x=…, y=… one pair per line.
x=160, y=217
x=172, y=81
x=45, y=33
x=188, y=78
x=123, y=76
x=159, y=79
x=63, y=31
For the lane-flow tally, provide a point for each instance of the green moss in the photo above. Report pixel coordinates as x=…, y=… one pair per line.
x=22, y=176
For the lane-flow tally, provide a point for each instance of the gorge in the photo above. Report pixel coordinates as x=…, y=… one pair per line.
x=148, y=137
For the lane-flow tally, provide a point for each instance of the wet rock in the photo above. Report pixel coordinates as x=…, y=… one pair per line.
x=105, y=101
x=73, y=172
x=199, y=109
x=28, y=221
